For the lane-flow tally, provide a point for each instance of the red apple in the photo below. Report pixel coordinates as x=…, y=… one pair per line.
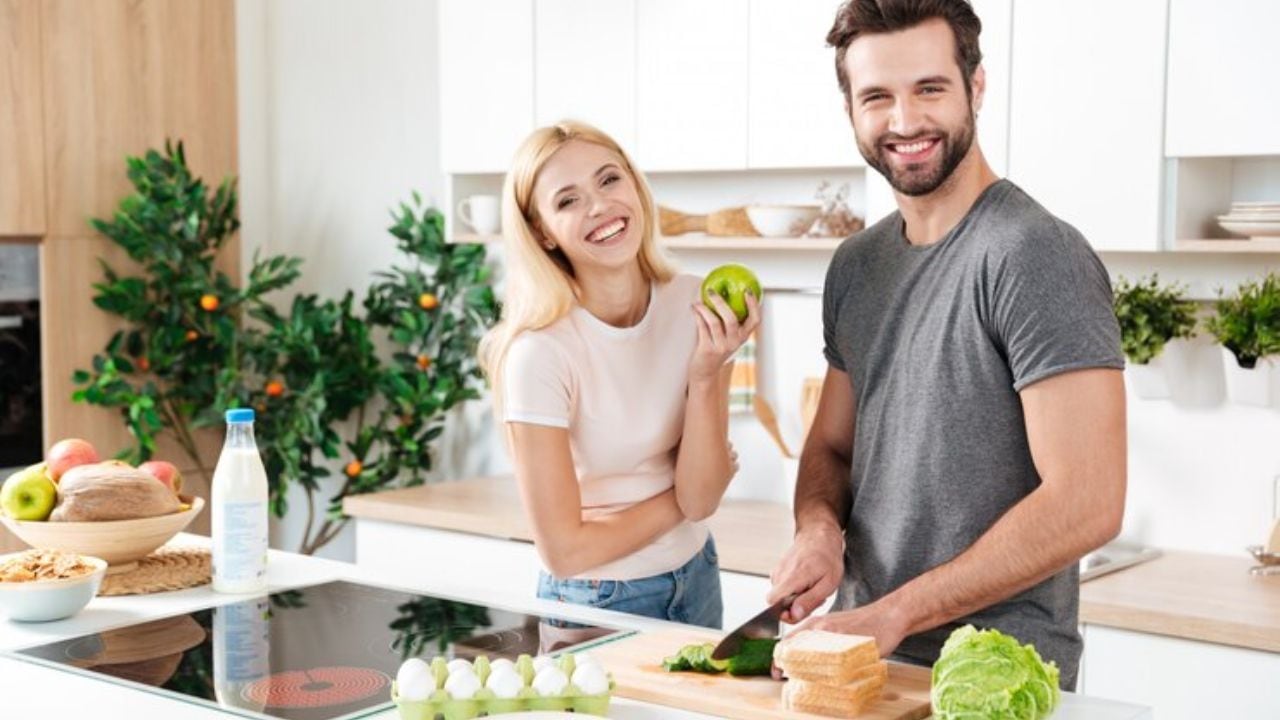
x=164, y=471
x=66, y=454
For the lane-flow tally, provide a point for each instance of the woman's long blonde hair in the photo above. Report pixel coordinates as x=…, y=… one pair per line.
x=540, y=283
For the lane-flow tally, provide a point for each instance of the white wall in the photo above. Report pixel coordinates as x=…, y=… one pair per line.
x=338, y=122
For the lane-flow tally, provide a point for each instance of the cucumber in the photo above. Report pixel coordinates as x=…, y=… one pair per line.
x=755, y=657
x=694, y=658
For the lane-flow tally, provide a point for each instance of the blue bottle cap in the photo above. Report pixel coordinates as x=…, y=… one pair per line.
x=240, y=415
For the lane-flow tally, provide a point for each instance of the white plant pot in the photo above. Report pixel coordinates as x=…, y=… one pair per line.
x=1248, y=386
x=1150, y=381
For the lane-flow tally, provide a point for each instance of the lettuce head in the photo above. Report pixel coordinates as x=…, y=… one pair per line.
x=987, y=675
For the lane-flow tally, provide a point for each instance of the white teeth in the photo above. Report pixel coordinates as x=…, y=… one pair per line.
x=914, y=147
x=606, y=232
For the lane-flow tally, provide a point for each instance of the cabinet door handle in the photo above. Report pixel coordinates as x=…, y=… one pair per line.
x=10, y=321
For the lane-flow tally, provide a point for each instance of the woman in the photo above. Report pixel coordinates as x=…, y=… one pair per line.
x=612, y=378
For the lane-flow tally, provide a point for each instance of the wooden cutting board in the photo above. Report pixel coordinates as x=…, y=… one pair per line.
x=636, y=665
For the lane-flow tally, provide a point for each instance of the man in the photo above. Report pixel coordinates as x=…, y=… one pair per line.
x=969, y=443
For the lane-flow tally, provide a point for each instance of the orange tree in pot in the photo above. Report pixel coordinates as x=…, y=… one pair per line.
x=197, y=343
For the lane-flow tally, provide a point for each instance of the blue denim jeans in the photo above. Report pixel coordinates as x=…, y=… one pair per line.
x=689, y=594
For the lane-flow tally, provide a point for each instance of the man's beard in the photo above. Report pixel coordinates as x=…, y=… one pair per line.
x=915, y=179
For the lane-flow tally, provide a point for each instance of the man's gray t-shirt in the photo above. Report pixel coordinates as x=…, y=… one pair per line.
x=937, y=341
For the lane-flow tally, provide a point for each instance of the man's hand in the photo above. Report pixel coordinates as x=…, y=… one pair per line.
x=877, y=620
x=811, y=570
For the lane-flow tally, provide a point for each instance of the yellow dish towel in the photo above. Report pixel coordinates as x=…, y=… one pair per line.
x=742, y=384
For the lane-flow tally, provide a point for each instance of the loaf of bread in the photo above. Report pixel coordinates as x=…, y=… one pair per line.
x=830, y=673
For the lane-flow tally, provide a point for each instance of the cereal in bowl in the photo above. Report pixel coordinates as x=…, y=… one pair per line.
x=43, y=565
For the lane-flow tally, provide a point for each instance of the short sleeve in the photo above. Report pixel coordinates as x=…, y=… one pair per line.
x=537, y=386
x=834, y=288
x=1051, y=306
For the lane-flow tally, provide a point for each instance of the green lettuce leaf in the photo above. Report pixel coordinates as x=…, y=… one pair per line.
x=987, y=675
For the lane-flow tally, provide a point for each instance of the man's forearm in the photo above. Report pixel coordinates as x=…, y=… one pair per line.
x=1037, y=538
x=822, y=489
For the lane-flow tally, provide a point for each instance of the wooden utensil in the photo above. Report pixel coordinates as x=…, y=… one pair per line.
x=730, y=222
x=635, y=662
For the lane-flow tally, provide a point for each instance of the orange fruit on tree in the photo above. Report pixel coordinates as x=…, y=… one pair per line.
x=428, y=301
x=209, y=302
x=353, y=468
x=424, y=362
x=144, y=364
x=275, y=388
x=192, y=336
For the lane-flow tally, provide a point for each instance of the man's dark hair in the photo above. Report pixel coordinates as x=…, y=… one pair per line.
x=868, y=17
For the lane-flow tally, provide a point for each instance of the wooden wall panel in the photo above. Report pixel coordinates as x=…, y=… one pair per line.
x=21, y=121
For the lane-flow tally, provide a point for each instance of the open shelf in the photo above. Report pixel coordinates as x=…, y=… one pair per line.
x=1252, y=245
x=708, y=242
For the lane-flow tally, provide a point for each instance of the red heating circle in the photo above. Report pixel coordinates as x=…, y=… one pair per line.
x=317, y=687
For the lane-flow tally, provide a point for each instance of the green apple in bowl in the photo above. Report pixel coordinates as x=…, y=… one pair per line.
x=732, y=282
x=29, y=494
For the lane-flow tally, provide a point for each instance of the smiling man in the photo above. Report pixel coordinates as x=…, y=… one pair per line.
x=969, y=445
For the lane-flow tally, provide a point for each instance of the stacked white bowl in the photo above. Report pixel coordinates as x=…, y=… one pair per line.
x=1254, y=219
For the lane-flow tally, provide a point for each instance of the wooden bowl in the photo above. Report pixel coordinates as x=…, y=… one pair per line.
x=122, y=543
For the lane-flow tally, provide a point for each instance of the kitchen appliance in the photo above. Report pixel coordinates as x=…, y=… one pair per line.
x=21, y=406
x=635, y=663
x=324, y=652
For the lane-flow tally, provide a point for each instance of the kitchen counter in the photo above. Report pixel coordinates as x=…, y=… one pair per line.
x=751, y=535
x=34, y=691
x=1210, y=598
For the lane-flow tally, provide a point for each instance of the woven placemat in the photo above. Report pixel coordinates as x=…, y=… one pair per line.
x=169, y=568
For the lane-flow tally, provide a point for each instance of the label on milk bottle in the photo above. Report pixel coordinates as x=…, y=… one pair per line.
x=241, y=554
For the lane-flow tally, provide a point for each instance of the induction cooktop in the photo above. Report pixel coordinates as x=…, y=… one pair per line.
x=324, y=652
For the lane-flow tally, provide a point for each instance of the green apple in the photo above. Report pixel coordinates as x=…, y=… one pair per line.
x=732, y=282
x=29, y=494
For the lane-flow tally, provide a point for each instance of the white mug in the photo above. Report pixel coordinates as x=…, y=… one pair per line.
x=481, y=213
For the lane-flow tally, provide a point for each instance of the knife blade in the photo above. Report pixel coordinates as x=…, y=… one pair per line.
x=764, y=625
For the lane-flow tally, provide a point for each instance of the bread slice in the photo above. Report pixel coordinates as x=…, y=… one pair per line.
x=826, y=657
x=843, y=701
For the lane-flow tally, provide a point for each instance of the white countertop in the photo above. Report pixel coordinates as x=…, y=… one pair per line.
x=32, y=692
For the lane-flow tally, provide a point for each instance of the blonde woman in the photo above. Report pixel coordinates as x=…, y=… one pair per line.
x=612, y=379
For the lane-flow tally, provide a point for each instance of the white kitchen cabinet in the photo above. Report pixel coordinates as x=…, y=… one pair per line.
x=585, y=65
x=1180, y=679
x=1223, y=97
x=691, y=85
x=1086, y=108
x=795, y=111
x=486, y=82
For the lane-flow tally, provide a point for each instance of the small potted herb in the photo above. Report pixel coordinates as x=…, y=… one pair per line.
x=1151, y=316
x=1248, y=327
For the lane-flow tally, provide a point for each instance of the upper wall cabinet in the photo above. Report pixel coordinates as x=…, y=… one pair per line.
x=486, y=82
x=585, y=65
x=21, y=122
x=795, y=109
x=1224, y=98
x=1087, y=103
x=691, y=85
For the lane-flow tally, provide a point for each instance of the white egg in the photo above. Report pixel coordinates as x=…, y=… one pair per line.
x=542, y=661
x=505, y=682
x=462, y=685
x=502, y=663
x=591, y=679
x=585, y=658
x=550, y=681
x=414, y=680
x=460, y=665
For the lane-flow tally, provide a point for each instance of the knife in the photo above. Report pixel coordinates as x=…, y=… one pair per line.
x=764, y=625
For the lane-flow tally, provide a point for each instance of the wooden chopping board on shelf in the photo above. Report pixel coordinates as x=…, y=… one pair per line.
x=636, y=665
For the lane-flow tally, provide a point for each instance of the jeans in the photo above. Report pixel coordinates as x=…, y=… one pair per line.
x=689, y=594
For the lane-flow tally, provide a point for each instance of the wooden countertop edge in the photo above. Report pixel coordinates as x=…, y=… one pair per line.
x=1155, y=622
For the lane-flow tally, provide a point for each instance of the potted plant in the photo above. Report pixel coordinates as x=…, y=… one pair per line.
x=1151, y=315
x=1248, y=327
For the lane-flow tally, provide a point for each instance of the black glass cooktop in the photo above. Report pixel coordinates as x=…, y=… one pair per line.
x=323, y=652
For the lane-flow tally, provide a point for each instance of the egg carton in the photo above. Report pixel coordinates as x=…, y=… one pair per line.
x=440, y=704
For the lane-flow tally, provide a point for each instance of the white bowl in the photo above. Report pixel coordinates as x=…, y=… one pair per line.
x=782, y=220
x=45, y=600
x=1252, y=228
